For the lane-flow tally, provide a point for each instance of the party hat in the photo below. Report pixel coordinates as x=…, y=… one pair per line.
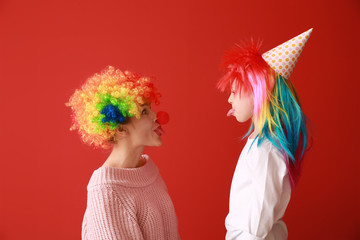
x=284, y=57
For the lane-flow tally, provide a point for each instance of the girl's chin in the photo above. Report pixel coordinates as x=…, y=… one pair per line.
x=241, y=119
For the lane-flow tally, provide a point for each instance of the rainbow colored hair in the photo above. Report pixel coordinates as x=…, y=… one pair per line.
x=107, y=100
x=277, y=108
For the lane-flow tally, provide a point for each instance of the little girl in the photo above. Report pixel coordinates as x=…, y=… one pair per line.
x=269, y=164
x=127, y=198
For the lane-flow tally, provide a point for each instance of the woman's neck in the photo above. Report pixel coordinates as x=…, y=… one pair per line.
x=124, y=155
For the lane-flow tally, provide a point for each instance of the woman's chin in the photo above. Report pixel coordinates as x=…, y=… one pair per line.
x=157, y=142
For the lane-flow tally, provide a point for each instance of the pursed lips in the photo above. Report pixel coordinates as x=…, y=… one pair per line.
x=156, y=126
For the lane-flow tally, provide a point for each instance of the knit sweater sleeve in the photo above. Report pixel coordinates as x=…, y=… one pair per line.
x=107, y=218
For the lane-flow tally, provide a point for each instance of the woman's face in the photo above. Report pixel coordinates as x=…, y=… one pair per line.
x=145, y=131
x=242, y=105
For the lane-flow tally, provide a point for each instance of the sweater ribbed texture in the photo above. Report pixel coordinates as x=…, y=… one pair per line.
x=129, y=203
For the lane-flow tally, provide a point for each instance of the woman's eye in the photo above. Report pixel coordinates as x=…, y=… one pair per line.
x=144, y=111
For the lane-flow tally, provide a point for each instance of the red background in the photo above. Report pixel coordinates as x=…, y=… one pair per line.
x=48, y=48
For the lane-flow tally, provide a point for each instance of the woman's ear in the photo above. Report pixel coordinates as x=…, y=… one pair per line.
x=121, y=132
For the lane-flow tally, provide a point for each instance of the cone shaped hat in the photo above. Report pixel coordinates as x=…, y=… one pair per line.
x=284, y=57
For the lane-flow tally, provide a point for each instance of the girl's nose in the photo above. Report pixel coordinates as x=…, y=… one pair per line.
x=230, y=99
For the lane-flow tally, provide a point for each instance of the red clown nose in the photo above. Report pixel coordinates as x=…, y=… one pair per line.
x=162, y=117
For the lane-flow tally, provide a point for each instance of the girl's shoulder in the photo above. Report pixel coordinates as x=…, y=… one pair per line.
x=262, y=146
x=263, y=150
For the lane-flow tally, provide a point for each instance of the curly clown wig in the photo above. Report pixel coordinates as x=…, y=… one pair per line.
x=277, y=108
x=107, y=100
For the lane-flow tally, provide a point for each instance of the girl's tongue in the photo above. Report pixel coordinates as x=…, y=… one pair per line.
x=230, y=112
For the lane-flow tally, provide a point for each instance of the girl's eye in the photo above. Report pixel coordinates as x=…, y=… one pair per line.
x=144, y=111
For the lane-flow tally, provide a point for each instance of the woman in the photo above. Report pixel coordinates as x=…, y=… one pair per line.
x=127, y=198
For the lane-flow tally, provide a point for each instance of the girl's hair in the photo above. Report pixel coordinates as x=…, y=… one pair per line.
x=107, y=100
x=276, y=104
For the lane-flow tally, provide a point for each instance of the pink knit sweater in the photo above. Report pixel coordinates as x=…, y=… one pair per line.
x=129, y=203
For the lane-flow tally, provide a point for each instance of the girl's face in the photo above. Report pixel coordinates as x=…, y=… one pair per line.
x=242, y=105
x=145, y=131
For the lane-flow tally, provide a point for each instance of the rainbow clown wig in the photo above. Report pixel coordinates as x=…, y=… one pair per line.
x=107, y=100
x=277, y=108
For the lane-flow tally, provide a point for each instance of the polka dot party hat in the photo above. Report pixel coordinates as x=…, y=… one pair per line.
x=284, y=57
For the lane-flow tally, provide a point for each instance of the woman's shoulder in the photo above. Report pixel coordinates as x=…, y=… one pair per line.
x=112, y=177
x=102, y=179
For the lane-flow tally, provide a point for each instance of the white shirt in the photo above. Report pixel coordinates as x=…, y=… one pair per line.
x=260, y=192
